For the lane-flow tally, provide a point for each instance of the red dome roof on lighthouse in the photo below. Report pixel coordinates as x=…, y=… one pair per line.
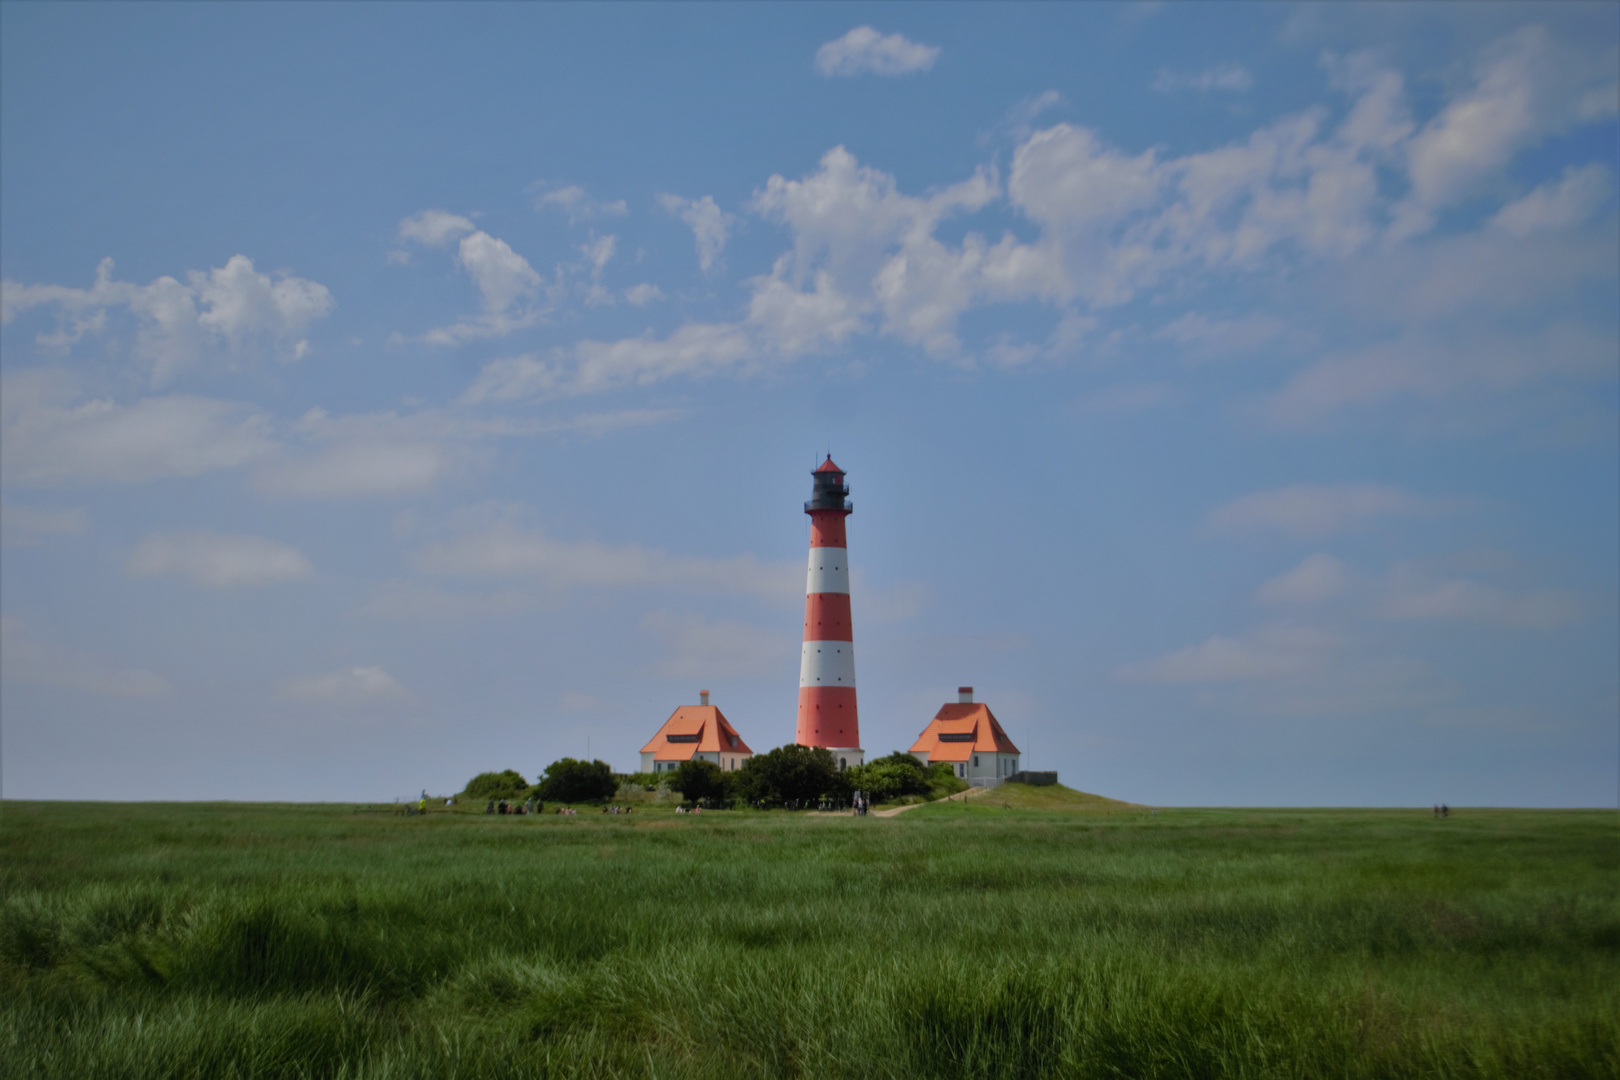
x=828, y=466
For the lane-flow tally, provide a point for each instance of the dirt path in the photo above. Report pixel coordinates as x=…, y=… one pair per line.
x=970, y=793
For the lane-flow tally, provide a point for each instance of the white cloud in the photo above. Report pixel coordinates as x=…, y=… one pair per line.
x=1274, y=651
x=26, y=659
x=794, y=320
x=707, y=652
x=709, y=225
x=1320, y=509
x=26, y=526
x=696, y=350
x=599, y=251
x=217, y=560
x=507, y=283
x=577, y=203
x=46, y=443
x=864, y=51
x=1526, y=87
x=643, y=294
x=1319, y=577
x=435, y=228
x=1412, y=595
x=225, y=312
x=1557, y=204
x=501, y=548
x=347, y=686
x=1230, y=78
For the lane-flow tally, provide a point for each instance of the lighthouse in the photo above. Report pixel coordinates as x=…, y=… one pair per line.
x=827, y=715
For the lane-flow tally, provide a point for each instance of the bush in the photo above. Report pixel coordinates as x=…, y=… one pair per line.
x=497, y=785
x=943, y=781
x=699, y=781
x=890, y=777
x=794, y=776
x=571, y=781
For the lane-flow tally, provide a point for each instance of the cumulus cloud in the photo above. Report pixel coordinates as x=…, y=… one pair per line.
x=26, y=526
x=222, y=313
x=1320, y=509
x=1526, y=87
x=27, y=659
x=217, y=560
x=46, y=442
x=1229, y=78
x=509, y=286
x=356, y=686
x=1557, y=204
x=435, y=228
x=864, y=51
x=1110, y=223
x=1319, y=577
x=703, y=651
x=708, y=222
x=503, y=548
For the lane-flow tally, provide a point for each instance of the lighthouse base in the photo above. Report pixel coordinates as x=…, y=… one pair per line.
x=847, y=757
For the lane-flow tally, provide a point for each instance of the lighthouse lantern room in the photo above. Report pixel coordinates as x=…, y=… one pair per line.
x=827, y=714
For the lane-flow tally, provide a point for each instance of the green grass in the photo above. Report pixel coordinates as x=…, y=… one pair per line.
x=1056, y=935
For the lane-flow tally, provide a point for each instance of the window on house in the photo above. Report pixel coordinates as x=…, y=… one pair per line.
x=975, y=761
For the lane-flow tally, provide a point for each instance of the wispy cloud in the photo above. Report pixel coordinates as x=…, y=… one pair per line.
x=1314, y=510
x=1228, y=78
x=217, y=560
x=864, y=51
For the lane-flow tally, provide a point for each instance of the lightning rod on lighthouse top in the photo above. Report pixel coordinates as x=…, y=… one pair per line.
x=827, y=713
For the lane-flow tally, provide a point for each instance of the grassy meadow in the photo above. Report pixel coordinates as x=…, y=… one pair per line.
x=1027, y=933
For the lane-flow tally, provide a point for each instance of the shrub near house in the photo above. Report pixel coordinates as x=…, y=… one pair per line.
x=797, y=776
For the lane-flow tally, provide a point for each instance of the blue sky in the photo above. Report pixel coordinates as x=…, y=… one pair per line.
x=1229, y=393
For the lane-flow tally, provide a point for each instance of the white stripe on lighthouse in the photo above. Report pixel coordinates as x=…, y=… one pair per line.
x=827, y=663
x=829, y=570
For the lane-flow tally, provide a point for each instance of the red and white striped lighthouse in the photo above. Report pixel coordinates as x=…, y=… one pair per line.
x=827, y=715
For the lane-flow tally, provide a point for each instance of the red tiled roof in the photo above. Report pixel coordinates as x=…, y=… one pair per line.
x=828, y=466
x=712, y=730
x=976, y=721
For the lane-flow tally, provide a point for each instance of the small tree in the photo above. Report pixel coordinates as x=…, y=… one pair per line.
x=496, y=785
x=890, y=777
x=568, y=780
x=797, y=775
x=699, y=781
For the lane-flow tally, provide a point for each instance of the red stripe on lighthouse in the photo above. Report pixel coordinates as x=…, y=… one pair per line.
x=827, y=717
x=827, y=528
x=826, y=617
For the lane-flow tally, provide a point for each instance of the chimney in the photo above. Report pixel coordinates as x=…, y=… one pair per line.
x=964, y=695
x=703, y=697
